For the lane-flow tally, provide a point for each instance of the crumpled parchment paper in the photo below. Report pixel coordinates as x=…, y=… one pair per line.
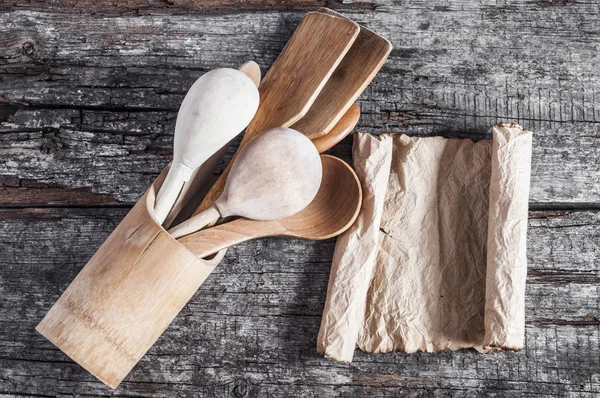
x=437, y=258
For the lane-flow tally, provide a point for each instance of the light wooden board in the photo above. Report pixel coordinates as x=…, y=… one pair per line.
x=87, y=111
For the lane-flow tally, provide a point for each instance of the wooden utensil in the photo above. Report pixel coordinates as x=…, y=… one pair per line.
x=252, y=70
x=200, y=177
x=218, y=106
x=185, y=204
x=331, y=212
x=295, y=79
x=340, y=131
x=358, y=68
x=276, y=175
x=323, y=143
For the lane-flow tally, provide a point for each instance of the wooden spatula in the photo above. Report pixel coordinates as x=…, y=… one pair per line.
x=358, y=68
x=296, y=78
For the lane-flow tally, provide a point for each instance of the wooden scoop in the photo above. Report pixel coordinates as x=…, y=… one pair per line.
x=295, y=79
x=274, y=176
x=331, y=212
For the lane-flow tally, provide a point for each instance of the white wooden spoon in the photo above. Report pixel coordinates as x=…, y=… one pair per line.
x=198, y=184
x=218, y=106
x=275, y=175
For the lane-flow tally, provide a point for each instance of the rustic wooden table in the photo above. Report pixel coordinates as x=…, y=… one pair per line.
x=89, y=92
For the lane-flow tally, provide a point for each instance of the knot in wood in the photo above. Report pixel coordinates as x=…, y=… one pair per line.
x=240, y=389
x=51, y=144
x=28, y=48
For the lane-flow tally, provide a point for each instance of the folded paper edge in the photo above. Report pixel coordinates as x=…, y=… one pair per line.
x=342, y=321
x=507, y=228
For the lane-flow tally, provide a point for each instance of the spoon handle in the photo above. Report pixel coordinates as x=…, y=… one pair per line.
x=340, y=131
x=211, y=240
x=196, y=223
x=167, y=195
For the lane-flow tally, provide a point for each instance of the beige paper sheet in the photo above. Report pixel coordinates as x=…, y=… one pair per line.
x=436, y=259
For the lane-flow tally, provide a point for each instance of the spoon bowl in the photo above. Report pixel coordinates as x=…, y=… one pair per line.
x=333, y=210
x=335, y=207
x=201, y=175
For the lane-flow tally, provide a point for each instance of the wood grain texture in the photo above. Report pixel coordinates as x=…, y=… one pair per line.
x=91, y=101
x=252, y=326
x=152, y=7
x=88, y=98
x=358, y=68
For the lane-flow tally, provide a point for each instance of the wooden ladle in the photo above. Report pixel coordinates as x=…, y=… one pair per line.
x=274, y=176
x=331, y=212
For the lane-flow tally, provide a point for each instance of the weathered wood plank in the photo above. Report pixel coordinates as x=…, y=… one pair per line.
x=91, y=101
x=88, y=99
x=252, y=326
x=144, y=7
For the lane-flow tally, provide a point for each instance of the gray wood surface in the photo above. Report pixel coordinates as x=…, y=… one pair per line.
x=89, y=93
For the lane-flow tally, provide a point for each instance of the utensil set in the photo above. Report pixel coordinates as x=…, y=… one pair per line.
x=310, y=89
x=333, y=210
x=277, y=184
x=276, y=175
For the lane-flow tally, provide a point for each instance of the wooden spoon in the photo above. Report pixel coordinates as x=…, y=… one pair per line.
x=295, y=79
x=183, y=206
x=218, y=106
x=274, y=176
x=332, y=211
